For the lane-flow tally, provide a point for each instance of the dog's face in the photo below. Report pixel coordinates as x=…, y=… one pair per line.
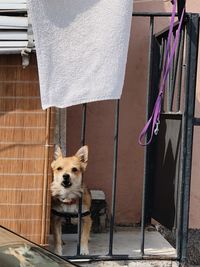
x=68, y=172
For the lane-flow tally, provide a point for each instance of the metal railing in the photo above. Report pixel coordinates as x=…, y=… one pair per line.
x=181, y=102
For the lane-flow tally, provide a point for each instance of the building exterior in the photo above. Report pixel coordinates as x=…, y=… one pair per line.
x=27, y=136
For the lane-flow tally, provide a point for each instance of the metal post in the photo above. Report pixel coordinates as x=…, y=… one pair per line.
x=83, y=128
x=193, y=35
x=180, y=71
x=179, y=218
x=114, y=179
x=143, y=218
x=174, y=74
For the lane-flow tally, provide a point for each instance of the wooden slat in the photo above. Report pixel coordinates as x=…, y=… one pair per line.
x=20, y=151
x=22, y=120
x=20, y=212
x=35, y=135
x=19, y=90
x=18, y=74
x=15, y=60
x=19, y=105
x=22, y=181
x=18, y=167
x=21, y=166
x=20, y=198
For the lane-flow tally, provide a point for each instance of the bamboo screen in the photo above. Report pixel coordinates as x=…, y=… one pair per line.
x=26, y=138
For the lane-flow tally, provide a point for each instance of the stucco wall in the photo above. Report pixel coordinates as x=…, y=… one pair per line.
x=194, y=6
x=195, y=183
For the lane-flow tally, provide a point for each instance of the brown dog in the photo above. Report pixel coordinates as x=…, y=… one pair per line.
x=66, y=190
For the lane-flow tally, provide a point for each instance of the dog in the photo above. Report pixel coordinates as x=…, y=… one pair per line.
x=66, y=190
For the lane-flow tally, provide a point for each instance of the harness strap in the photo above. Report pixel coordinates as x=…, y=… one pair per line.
x=154, y=120
x=69, y=214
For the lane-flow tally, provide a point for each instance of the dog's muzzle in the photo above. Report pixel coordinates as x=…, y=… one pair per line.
x=66, y=181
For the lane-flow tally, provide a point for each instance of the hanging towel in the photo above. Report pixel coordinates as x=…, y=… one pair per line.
x=81, y=48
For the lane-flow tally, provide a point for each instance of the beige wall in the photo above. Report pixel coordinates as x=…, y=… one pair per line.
x=100, y=122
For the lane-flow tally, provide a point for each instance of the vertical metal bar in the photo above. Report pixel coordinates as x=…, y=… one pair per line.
x=183, y=150
x=143, y=216
x=174, y=74
x=171, y=72
x=189, y=117
x=181, y=5
x=178, y=182
x=181, y=70
x=162, y=53
x=168, y=84
x=114, y=178
x=79, y=226
x=61, y=128
x=83, y=130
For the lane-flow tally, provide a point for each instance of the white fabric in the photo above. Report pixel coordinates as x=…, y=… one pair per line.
x=81, y=48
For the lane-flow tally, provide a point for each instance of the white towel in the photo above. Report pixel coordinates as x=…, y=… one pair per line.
x=81, y=48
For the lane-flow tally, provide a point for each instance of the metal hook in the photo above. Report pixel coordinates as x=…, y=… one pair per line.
x=157, y=127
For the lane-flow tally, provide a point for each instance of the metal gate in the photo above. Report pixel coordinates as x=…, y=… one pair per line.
x=167, y=170
x=168, y=159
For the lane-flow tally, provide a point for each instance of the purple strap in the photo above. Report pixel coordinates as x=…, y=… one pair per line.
x=154, y=120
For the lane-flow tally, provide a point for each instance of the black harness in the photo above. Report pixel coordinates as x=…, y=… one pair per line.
x=68, y=215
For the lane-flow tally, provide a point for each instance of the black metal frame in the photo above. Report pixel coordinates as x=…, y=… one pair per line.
x=188, y=121
x=192, y=57
x=191, y=28
x=181, y=6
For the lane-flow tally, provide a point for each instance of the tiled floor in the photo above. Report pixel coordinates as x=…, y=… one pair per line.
x=125, y=242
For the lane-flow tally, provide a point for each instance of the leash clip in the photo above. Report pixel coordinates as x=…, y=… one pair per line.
x=157, y=127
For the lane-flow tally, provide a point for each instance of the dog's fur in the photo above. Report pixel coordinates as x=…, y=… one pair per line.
x=66, y=190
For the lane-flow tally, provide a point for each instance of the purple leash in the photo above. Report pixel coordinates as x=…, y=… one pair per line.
x=154, y=120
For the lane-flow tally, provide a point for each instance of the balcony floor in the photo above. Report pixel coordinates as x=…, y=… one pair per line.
x=125, y=242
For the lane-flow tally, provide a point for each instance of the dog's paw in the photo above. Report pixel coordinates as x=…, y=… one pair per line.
x=84, y=250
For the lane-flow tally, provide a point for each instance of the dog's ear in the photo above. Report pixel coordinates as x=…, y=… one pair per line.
x=82, y=154
x=58, y=152
x=53, y=164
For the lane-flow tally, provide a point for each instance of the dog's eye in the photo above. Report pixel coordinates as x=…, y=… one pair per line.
x=74, y=169
x=59, y=169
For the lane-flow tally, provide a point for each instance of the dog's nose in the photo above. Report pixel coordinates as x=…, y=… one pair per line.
x=66, y=177
x=66, y=180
